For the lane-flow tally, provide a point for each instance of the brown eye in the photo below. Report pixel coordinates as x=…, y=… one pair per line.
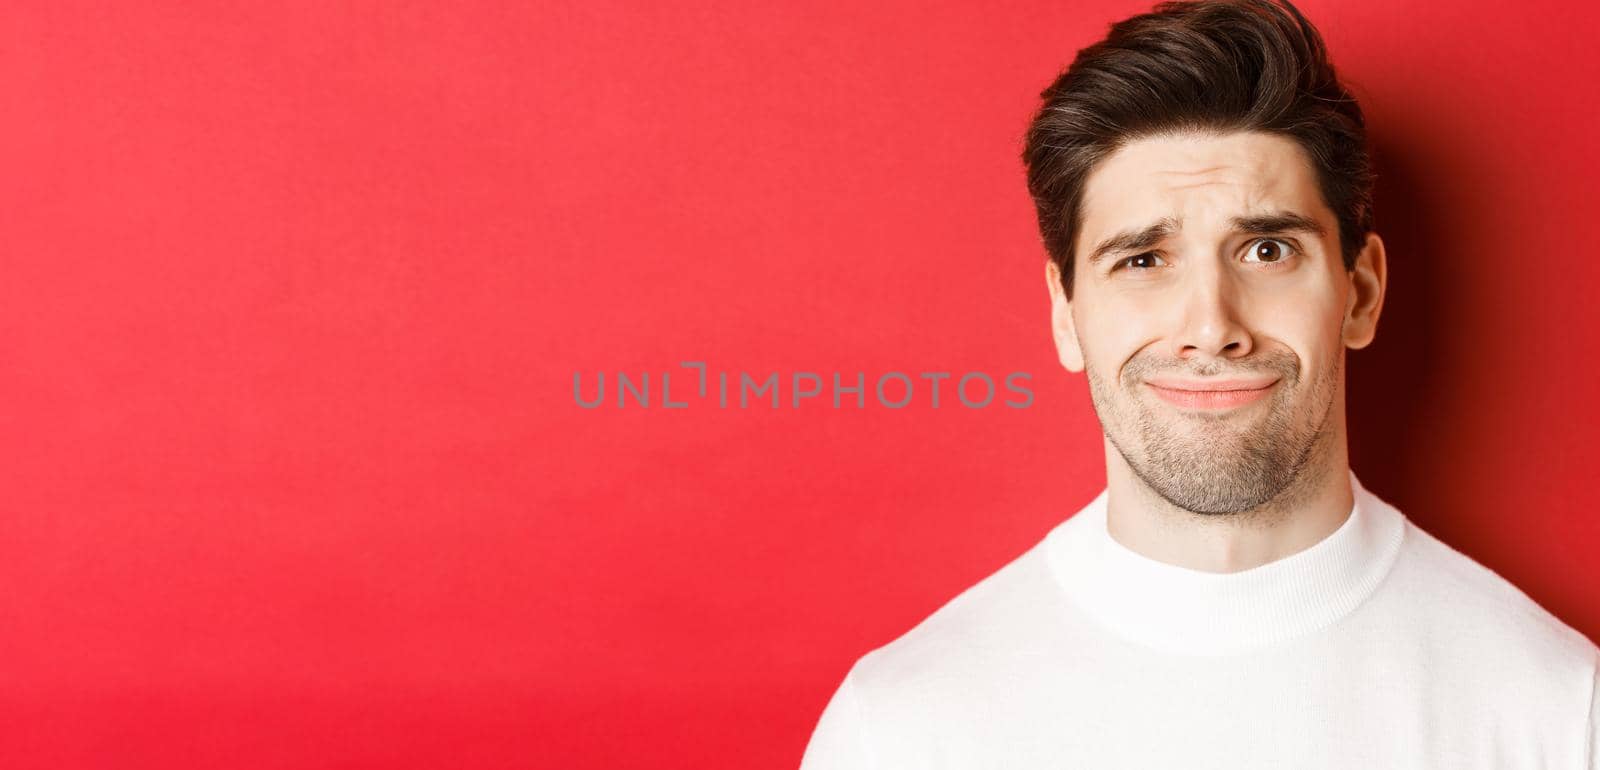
x=1140, y=261
x=1270, y=250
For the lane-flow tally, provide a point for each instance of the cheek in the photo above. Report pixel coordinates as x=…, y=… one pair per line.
x=1309, y=325
x=1310, y=308
x=1111, y=335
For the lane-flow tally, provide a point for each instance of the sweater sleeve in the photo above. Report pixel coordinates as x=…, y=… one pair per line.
x=1594, y=721
x=839, y=741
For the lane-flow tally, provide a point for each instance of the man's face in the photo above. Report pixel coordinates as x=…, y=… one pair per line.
x=1210, y=312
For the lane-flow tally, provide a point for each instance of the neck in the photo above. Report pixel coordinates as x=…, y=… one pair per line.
x=1186, y=611
x=1312, y=507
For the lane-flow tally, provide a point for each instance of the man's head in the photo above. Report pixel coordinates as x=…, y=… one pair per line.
x=1204, y=193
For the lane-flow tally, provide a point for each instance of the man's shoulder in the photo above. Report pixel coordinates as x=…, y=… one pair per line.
x=1478, y=604
x=1001, y=618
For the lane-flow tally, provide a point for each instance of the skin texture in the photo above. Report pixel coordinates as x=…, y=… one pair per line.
x=1217, y=490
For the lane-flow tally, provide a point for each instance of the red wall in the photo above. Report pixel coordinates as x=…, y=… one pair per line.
x=293, y=298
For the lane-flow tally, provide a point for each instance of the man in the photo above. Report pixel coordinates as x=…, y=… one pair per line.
x=1234, y=598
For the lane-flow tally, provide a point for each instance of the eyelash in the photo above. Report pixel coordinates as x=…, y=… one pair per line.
x=1290, y=247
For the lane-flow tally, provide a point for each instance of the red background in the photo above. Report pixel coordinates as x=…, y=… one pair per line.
x=293, y=296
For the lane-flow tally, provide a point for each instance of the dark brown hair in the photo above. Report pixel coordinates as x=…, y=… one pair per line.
x=1211, y=65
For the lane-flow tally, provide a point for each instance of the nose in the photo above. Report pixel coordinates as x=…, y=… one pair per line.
x=1210, y=325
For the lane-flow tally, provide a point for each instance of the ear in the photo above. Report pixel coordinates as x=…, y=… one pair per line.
x=1368, y=281
x=1061, y=327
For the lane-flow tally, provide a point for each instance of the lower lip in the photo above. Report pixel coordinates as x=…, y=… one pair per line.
x=1211, y=399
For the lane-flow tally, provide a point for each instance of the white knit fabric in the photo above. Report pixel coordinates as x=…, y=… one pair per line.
x=1377, y=647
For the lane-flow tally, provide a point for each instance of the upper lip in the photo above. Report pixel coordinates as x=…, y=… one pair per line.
x=1235, y=383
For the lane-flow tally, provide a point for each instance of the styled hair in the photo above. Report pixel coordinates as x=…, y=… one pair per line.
x=1208, y=65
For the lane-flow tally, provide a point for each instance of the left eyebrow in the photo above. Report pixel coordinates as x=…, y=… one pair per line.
x=1278, y=222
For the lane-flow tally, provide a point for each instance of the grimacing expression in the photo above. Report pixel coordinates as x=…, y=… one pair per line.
x=1206, y=256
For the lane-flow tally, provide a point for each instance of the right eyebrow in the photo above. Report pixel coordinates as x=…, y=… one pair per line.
x=1134, y=240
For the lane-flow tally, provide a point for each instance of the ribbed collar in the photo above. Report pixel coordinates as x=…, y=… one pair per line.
x=1192, y=612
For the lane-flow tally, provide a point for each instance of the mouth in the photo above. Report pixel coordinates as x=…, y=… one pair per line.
x=1212, y=396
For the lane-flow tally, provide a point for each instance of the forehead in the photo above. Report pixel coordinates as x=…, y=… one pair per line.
x=1199, y=178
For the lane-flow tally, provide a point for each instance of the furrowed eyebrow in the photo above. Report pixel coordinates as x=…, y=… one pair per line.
x=1134, y=240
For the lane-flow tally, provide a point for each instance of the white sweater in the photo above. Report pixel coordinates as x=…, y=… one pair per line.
x=1377, y=647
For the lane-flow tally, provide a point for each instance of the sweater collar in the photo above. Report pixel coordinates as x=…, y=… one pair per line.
x=1192, y=612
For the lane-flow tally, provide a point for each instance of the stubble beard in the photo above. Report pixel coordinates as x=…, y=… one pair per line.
x=1222, y=463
